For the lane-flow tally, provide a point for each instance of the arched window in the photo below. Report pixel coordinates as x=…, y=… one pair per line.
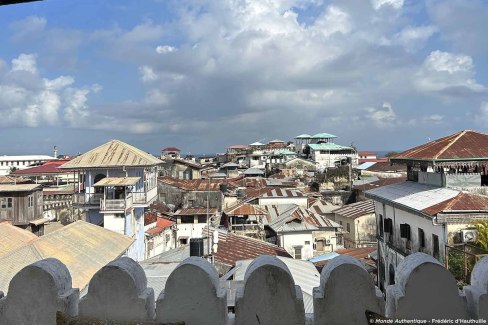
x=98, y=178
x=391, y=275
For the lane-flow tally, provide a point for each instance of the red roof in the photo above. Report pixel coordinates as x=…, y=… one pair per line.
x=238, y=146
x=367, y=153
x=241, y=209
x=161, y=225
x=461, y=202
x=50, y=167
x=170, y=149
x=233, y=248
x=149, y=218
x=465, y=144
x=360, y=253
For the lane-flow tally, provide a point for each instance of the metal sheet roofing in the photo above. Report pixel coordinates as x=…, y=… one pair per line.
x=413, y=195
x=378, y=183
x=171, y=149
x=303, y=136
x=195, y=211
x=114, y=153
x=356, y=210
x=463, y=145
x=257, y=144
x=198, y=184
x=19, y=187
x=253, y=171
x=7, y=179
x=328, y=146
x=366, y=165
x=48, y=168
x=291, y=217
x=86, y=249
x=242, y=208
x=323, y=136
x=12, y=237
x=461, y=202
x=117, y=181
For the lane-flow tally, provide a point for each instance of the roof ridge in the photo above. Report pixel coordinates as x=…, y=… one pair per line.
x=460, y=134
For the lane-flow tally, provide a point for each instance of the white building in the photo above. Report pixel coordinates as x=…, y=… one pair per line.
x=190, y=223
x=117, y=182
x=7, y=163
x=327, y=155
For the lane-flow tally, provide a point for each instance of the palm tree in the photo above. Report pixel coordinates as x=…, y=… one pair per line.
x=482, y=237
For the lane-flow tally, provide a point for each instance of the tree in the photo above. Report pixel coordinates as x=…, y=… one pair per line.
x=482, y=236
x=390, y=154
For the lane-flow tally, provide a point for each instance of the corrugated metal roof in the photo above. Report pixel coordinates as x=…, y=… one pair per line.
x=242, y=208
x=86, y=248
x=328, y=146
x=413, y=195
x=291, y=217
x=380, y=182
x=356, y=210
x=170, y=149
x=117, y=181
x=19, y=187
x=303, y=136
x=7, y=179
x=465, y=144
x=198, y=184
x=462, y=202
x=257, y=144
x=48, y=168
x=12, y=237
x=280, y=192
x=304, y=274
x=366, y=165
x=195, y=211
x=114, y=153
x=157, y=274
x=253, y=171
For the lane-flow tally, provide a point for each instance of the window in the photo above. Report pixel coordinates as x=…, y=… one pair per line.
x=30, y=201
x=6, y=202
x=202, y=219
x=435, y=246
x=391, y=275
x=307, y=242
x=381, y=226
x=388, y=226
x=187, y=219
x=340, y=222
x=298, y=253
x=405, y=231
x=421, y=239
x=348, y=227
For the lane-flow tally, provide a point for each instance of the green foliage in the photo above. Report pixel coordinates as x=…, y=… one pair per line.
x=482, y=237
x=456, y=266
x=391, y=153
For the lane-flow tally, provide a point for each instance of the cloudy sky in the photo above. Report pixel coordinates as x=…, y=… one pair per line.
x=204, y=74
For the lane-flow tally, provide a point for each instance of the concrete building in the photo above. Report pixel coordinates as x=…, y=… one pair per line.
x=10, y=163
x=359, y=223
x=117, y=182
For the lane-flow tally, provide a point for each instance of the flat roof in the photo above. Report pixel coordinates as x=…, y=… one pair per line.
x=118, y=181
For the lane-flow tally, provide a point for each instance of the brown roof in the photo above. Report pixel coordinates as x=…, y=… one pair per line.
x=360, y=253
x=233, y=248
x=241, y=208
x=386, y=167
x=6, y=179
x=150, y=218
x=195, y=211
x=379, y=183
x=161, y=225
x=461, y=202
x=463, y=145
x=197, y=184
x=275, y=192
x=356, y=210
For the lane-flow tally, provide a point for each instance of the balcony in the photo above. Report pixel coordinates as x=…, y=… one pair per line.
x=145, y=198
x=87, y=199
x=116, y=205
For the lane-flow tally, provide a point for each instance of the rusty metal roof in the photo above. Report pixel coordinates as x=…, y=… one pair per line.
x=114, y=153
x=356, y=210
x=380, y=182
x=86, y=248
x=195, y=211
x=197, y=184
x=233, y=248
x=8, y=179
x=463, y=145
x=117, y=181
x=19, y=187
x=242, y=208
x=462, y=202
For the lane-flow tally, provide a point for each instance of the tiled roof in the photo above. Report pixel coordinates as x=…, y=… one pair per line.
x=461, y=202
x=114, y=153
x=463, y=145
x=233, y=248
x=356, y=210
x=195, y=211
x=379, y=183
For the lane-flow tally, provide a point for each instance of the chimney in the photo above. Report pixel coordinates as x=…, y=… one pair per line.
x=55, y=151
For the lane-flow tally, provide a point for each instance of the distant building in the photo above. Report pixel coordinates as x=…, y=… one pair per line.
x=170, y=152
x=10, y=163
x=359, y=224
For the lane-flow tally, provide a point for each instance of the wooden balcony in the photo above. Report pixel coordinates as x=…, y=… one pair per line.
x=87, y=199
x=116, y=205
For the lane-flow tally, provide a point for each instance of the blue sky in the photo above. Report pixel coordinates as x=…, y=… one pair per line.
x=204, y=74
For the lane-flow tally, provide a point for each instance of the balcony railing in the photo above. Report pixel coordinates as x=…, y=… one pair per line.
x=87, y=198
x=116, y=204
x=248, y=227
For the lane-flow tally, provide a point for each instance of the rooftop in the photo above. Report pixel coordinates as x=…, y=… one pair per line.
x=19, y=187
x=114, y=153
x=323, y=136
x=463, y=145
x=356, y=210
x=327, y=146
x=48, y=168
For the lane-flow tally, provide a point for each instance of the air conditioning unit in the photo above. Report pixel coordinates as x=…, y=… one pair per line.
x=469, y=235
x=327, y=242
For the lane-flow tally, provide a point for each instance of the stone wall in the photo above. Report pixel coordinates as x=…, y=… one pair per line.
x=423, y=290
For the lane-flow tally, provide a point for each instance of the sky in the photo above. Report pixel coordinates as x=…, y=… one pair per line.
x=204, y=74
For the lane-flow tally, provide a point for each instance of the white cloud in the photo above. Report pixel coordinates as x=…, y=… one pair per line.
x=413, y=38
x=334, y=20
x=25, y=62
x=396, y=4
x=384, y=116
x=164, y=49
x=147, y=74
x=449, y=74
x=27, y=29
x=76, y=110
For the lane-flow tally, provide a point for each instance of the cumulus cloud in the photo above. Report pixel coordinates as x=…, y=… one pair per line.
x=28, y=99
x=163, y=49
x=448, y=74
x=383, y=116
x=378, y=4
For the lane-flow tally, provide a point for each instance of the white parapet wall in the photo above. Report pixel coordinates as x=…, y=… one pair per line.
x=423, y=291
